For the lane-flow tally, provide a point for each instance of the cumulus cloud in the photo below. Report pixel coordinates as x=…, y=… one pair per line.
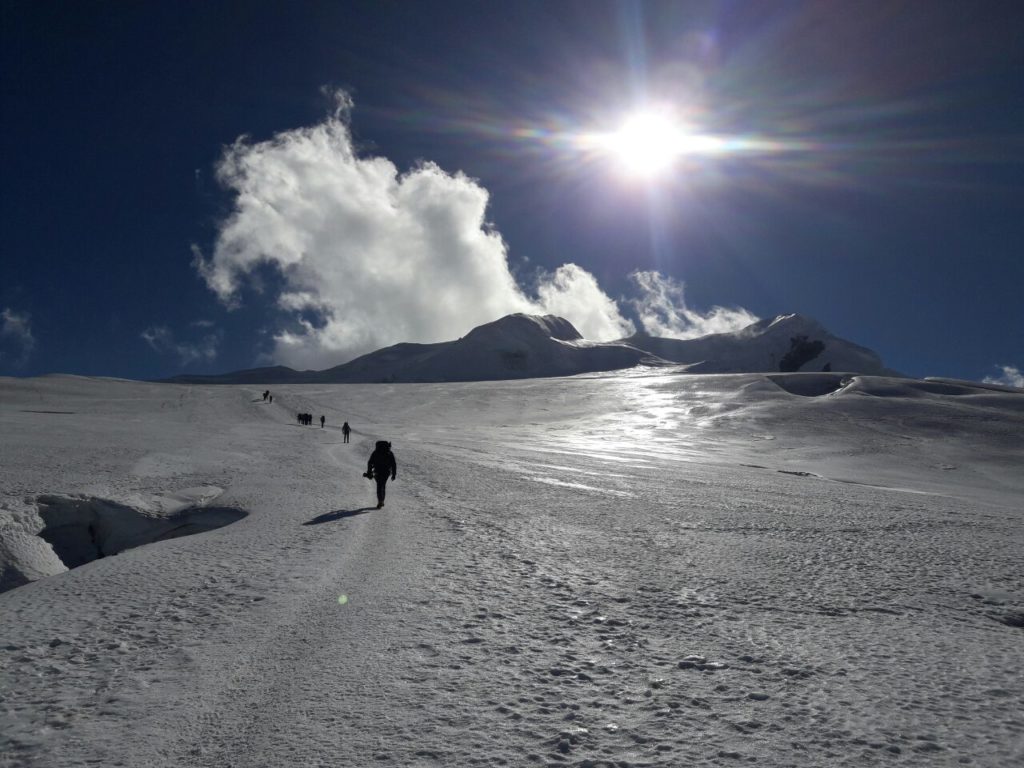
x=662, y=310
x=370, y=256
x=573, y=293
x=1010, y=377
x=16, y=335
x=162, y=339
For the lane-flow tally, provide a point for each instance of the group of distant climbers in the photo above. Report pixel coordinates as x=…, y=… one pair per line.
x=381, y=466
x=307, y=419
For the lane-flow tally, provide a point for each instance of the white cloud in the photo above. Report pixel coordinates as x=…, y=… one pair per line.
x=573, y=293
x=162, y=339
x=662, y=310
x=1010, y=377
x=16, y=331
x=369, y=256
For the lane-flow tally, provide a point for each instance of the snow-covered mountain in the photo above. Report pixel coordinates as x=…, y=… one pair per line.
x=514, y=347
x=530, y=346
x=786, y=344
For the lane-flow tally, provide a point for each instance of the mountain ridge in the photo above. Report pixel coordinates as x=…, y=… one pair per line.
x=522, y=346
x=785, y=343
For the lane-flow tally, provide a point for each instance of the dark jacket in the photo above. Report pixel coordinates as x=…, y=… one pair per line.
x=382, y=461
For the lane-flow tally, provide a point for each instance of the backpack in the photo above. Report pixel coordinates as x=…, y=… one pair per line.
x=383, y=445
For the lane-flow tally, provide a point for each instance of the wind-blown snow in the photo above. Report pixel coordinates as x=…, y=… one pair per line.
x=640, y=568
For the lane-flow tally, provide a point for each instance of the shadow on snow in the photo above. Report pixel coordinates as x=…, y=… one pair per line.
x=338, y=514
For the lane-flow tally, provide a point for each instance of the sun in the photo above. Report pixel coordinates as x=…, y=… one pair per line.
x=647, y=144
x=650, y=143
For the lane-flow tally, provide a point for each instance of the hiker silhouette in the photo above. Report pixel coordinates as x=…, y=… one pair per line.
x=381, y=466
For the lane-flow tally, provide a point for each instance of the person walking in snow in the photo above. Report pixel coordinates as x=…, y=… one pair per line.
x=380, y=466
x=321, y=422
x=345, y=429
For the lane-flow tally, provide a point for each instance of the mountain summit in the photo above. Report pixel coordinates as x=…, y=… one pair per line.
x=524, y=346
x=785, y=343
x=514, y=347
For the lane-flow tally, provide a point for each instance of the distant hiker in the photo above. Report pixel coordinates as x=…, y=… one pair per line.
x=267, y=392
x=345, y=429
x=321, y=422
x=380, y=466
x=271, y=398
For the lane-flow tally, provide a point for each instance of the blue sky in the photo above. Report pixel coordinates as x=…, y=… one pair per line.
x=207, y=187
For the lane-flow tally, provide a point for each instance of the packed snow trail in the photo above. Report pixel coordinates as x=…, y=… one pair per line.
x=288, y=694
x=553, y=581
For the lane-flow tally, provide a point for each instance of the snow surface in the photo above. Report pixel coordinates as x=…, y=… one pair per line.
x=643, y=568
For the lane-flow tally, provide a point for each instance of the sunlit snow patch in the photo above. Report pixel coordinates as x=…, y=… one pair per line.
x=580, y=486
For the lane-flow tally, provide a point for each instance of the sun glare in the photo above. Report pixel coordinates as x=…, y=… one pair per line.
x=649, y=143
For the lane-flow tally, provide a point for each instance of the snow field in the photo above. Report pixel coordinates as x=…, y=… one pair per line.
x=638, y=569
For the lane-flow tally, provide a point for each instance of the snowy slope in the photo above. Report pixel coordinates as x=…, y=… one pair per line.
x=640, y=568
x=514, y=347
x=785, y=343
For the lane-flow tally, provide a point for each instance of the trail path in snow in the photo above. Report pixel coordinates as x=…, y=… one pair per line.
x=542, y=588
x=317, y=678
